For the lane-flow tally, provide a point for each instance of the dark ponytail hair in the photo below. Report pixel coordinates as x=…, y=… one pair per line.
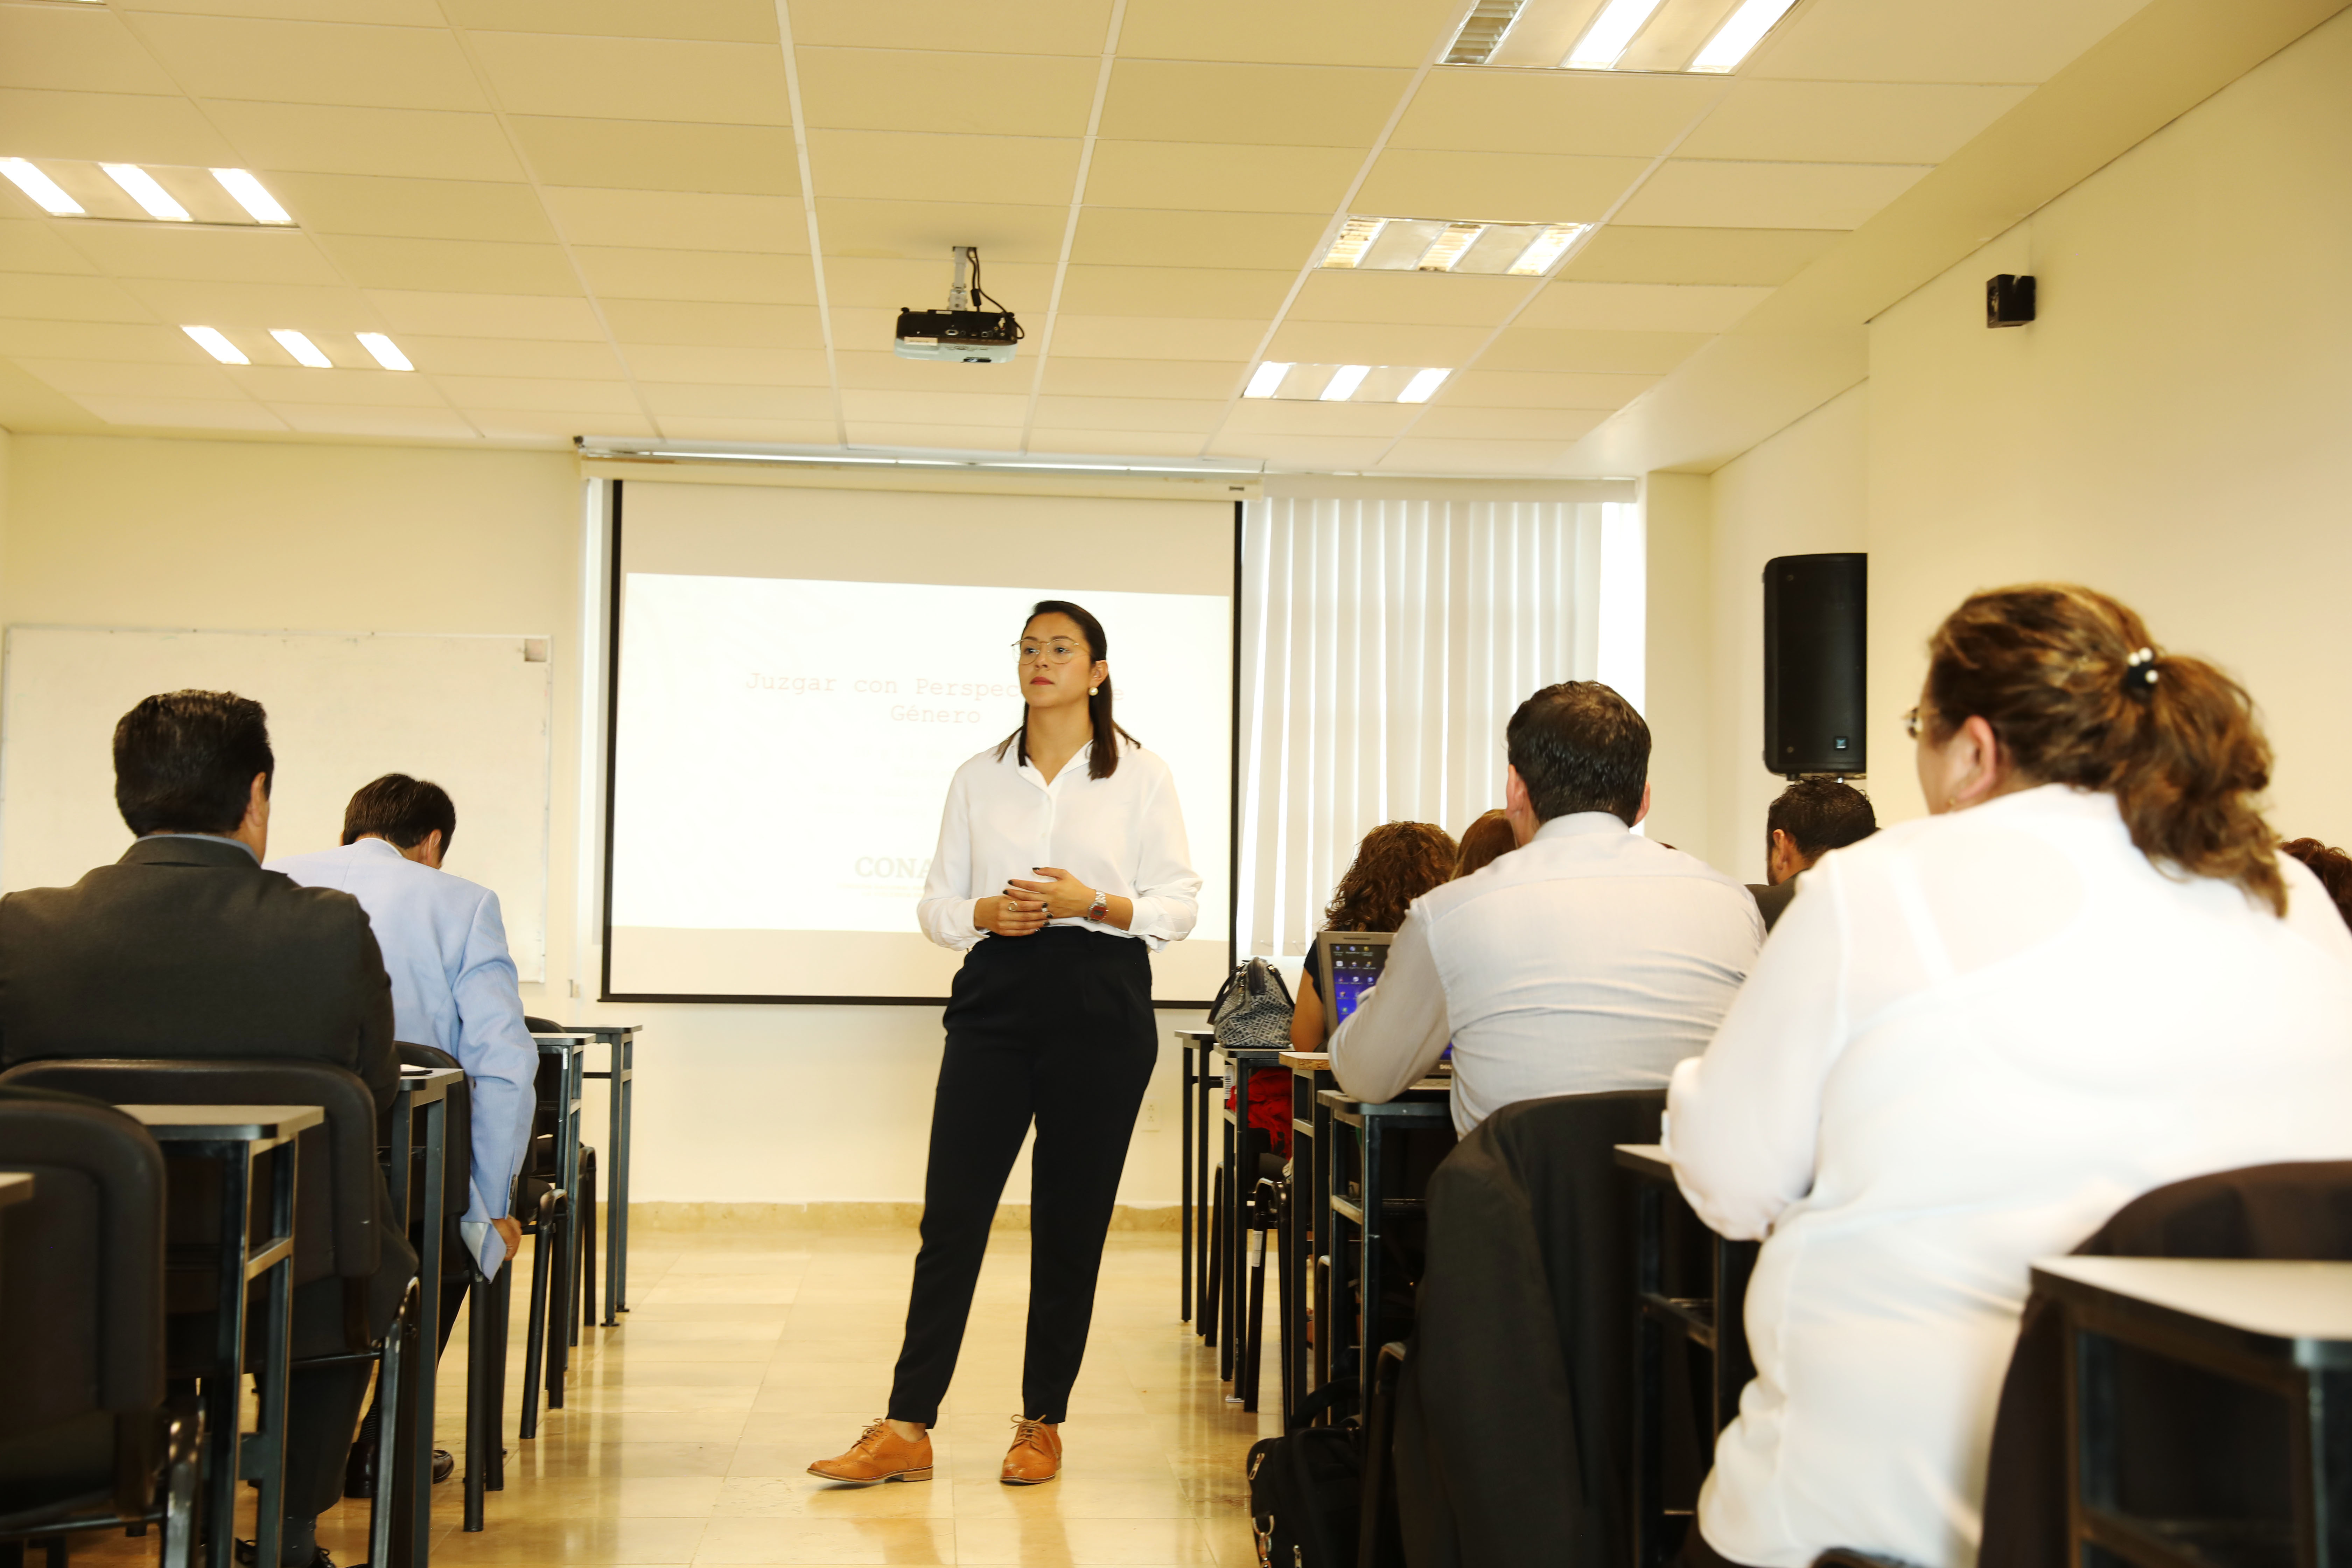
x=1103, y=761
x=2053, y=669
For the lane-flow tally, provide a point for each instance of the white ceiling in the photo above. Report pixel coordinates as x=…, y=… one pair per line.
x=664, y=221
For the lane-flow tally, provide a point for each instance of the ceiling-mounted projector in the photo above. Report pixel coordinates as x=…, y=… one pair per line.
x=961, y=332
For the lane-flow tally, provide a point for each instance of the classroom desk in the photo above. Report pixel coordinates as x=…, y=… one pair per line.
x=1364, y=1206
x=420, y=1120
x=1715, y=1322
x=571, y=1047
x=1192, y=1046
x=2284, y=1327
x=621, y=1072
x=1307, y=1242
x=1241, y=1064
x=238, y=1137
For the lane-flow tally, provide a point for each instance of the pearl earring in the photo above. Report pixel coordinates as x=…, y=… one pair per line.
x=1092, y=689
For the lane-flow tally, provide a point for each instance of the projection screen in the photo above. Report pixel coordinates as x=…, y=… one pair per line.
x=798, y=672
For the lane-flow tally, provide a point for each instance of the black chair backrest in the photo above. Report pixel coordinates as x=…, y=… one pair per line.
x=458, y=1130
x=81, y=1264
x=340, y=1200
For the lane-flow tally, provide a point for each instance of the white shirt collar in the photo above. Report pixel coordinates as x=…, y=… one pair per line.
x=1582, y=825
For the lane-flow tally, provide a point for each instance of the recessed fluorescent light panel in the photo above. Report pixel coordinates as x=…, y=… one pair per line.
x=152, y=198
x=210, y=340
x=1346, y=383
x=385, y=352
x=47, y=193
x=1662, y=37
x=1441, y=245
x=304, y=350
x=251, y=196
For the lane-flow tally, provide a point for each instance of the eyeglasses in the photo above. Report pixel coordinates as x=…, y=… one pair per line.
x=1060, y=650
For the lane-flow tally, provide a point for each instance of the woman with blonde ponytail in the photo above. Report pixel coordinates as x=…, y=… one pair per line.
x=2086, y=973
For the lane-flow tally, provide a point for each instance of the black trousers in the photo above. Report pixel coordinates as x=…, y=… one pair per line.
x=1055, y=1028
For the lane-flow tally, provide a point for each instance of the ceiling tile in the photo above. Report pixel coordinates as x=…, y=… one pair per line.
x=454, y=266
x=698, y=275
x=1541, y=389
x=1133, y=236
x=113, y=378
x=863, y=282
x=1592, y=113
x=707, y=402
x=561, y=396
x=1220, y=177
x=682, y=220
x=1302, y=453
x=639, y=155
x=1431, y=298
x=1936, y=40
x=740, y=366
x=183, y=414
x=438, y=423
x=218, y=255
x=1416, y=455
x=487, y=315
x=735, y=21
x=1272, y=417
x=1197, y=416
x=1155, y=337
x=314, y=62
x=1222, y=291
x=906, y=90
x=859, y=403
x=509, y=357
x=58, y=298
x=98, y=340
x=411, y=143
x=1512, y=187
x=1641, y=307
x=75, y=48
x=1052, y=440
x=690, y=322
x=556, y=427
x=32, y=246
x=1606, y=353
x=782, y=432
x=1104, y=378
x=1033, y=27
x=390, y=13
x=1689, y=193
x=937, y=437
x=422, y=209
x=1285, y=106
x=286, y=381
x=635, y=79
x=1621, y=253
x=1556, y=425
x=235, y=306
x=118, y=127
x=923, y=230
x=863, y=326
x=905, y=166
x=878, y=370
x=1362, y=343
x=1310, y=32
x=1849, y=122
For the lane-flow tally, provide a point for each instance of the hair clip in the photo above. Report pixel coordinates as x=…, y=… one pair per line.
x=2140, y=674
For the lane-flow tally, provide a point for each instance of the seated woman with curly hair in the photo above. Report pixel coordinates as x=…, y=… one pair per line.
x=1396, y=863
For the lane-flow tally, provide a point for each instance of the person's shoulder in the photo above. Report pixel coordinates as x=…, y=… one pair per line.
x=996, y=754
x=1147, y=762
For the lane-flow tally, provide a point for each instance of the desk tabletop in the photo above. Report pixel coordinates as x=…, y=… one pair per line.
x=1435, y=1094
x=1198, y=1036
x=426, y=1086
x=1307, y=1061
x=556, y=1045
x=2298, y=1311
x=15, y=1188
x=600, y=1030
x=1648, y=1160
x=269, y=1124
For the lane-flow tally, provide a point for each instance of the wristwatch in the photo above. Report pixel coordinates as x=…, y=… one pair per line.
x=1101, y=907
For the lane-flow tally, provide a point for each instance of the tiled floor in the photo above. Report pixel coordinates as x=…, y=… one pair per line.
x=687, y=1431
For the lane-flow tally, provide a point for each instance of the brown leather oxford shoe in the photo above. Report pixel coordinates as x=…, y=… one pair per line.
x=878, y=1455
x=1036, y=1454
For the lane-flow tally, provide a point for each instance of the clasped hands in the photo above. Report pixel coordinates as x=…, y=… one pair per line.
x=1025, y=906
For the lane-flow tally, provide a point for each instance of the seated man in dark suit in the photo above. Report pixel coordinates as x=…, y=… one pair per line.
x=186, y=947
x=1811, y=818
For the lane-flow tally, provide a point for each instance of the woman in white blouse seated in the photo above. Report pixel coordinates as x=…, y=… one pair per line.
x=1974, y=1037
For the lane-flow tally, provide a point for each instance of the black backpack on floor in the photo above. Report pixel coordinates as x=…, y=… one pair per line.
x=1306, y=1489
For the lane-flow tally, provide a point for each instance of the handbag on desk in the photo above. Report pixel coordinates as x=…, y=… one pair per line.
x=1253, y=1009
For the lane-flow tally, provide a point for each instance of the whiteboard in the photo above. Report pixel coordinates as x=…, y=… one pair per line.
x=470, y=713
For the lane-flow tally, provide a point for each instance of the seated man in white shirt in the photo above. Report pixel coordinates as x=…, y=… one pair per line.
x=453, y=987
x=1590, y=959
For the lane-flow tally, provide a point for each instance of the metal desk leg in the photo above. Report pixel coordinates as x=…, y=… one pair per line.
x=479, y=1411
x=433, y=1225
x=616, y=1180
x=1651, y=1547
x=1184, y=1185
x=1204, y=1084
x=1370, y=1272
x=1229, y=1193
x=575, y=1069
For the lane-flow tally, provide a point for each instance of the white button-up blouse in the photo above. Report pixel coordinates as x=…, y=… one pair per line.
x=1123, y=835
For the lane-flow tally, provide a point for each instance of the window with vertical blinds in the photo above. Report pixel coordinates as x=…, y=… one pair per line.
x=1384, y=645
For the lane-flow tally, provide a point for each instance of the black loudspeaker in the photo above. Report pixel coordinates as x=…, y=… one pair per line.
x=2008, y=300
x=1816, y=615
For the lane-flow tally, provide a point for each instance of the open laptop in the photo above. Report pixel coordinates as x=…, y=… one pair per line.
x=1351, y=961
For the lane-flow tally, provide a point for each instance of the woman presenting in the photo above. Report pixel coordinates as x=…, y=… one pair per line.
x=1061, y=867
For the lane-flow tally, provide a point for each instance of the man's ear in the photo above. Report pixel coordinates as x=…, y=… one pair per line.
x=1641, y=813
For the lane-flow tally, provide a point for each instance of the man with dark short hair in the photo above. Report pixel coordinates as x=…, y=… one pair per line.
x=453, y=988
x=186, y=948
x=1811, y=818
x=1590, y=959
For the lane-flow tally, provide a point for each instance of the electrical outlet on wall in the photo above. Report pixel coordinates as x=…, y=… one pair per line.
x=1151, y=1120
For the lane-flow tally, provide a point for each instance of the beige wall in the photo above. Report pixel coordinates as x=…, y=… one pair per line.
x=1678, y=644
x=734, y=1104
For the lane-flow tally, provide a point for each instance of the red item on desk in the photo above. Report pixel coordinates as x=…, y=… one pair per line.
x=1269, y=1109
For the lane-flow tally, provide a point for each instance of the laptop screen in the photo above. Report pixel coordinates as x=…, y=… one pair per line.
x=1354, y=965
